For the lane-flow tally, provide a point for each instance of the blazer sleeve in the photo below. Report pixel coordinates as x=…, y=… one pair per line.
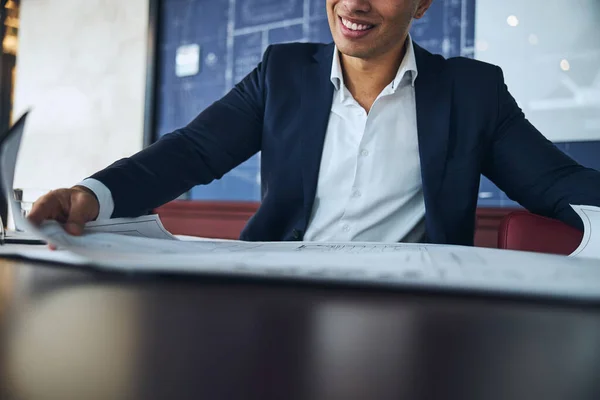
x=531, y=170
x=220, y=138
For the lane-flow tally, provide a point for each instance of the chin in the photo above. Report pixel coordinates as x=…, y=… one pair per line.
x=351, y=50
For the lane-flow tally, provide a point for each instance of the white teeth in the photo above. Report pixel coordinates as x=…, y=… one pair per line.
x=354, y=26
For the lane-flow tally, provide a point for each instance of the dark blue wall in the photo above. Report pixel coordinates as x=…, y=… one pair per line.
x=233, y=34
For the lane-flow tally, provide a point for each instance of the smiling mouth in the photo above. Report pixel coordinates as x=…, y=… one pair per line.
x=353, y=26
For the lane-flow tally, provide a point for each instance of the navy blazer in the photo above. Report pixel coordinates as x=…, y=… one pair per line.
x=468, y=125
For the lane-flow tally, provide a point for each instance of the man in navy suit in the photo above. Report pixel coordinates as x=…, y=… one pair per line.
x=371, y=138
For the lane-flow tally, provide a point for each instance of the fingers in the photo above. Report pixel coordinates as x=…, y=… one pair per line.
x=73, y=207
x=79, y=213
x=48, y=207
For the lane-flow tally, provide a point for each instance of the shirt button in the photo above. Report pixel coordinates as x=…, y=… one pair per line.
x=356, y=193
x=364, y=153
x=346, y=228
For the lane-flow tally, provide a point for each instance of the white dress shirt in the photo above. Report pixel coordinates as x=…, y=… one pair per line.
x=103, y=195
x=369, y=187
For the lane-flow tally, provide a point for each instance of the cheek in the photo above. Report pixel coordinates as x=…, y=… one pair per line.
x=330, y=8
x=331, y=18
x=399, y=19
x=397, y=9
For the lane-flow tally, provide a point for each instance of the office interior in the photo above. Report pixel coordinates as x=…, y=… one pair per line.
x=105, y=78
x=119, y=76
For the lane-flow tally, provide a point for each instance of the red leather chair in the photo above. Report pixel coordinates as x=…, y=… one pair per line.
x=521, y=230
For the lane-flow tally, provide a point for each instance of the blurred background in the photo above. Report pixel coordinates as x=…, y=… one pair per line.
x=104, y=78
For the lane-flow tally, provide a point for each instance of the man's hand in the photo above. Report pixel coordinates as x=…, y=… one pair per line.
x=71, y=207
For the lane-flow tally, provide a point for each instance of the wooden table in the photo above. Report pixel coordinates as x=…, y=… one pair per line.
x=66, y=333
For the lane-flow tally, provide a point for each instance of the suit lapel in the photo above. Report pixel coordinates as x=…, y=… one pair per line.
x=433, y=93
x=316, y=100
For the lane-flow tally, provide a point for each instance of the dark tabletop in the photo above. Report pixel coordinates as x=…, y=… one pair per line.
x=71, y=334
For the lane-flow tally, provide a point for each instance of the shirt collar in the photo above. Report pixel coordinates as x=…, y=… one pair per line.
x=408, y=65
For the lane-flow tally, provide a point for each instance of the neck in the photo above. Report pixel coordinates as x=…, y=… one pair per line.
x=366, y=78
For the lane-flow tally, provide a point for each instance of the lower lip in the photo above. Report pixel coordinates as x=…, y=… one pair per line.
x=349, y=33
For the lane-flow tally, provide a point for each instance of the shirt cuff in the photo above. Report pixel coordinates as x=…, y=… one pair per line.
x=103, y=195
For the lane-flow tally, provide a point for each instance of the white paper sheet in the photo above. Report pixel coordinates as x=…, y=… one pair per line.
x=8, y=163
x=9, y=150
x=43, y=253
x=590, y=243
x=148, y=226
x=430, y=267
x=416, y=266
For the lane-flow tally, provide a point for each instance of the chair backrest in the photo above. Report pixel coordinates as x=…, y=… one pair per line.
x=521, y=230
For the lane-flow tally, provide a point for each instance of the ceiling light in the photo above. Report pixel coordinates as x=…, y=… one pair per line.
x=512, y=20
